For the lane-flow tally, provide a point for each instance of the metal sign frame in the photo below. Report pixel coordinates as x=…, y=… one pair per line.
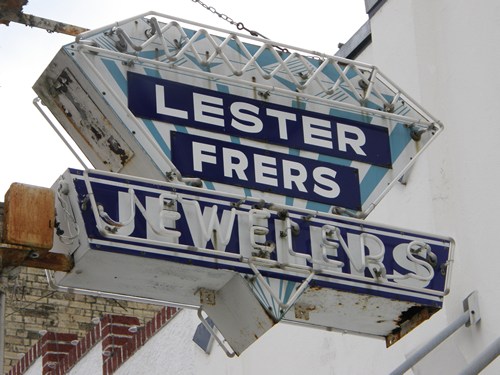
x=97, y=64
x=162, y=241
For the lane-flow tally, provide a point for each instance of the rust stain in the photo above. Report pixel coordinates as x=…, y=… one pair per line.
x=8, y=7
x=315, y=287
x=29, y=216
x=11, y=11
x=408, y=320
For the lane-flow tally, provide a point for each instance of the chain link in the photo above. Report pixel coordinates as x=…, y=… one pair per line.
x=239, y=25
x=225, y=17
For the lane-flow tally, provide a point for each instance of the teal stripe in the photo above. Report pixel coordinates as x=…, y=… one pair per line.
x=289, y=84
x=209, y=185
x=318, y=207
x=119, y=78
x=298, y=104
x=158, y=138
x=334, y=160
x=274, y=307
x=222, y=88
x=250, y=47
x=152, y=72
x=289, y=290
x=116, y=73
x=399, y=139
x=260, y=292
x=370, y=181
x=153, y=55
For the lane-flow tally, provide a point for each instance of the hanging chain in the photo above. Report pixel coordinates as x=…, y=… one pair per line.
x=239, y=25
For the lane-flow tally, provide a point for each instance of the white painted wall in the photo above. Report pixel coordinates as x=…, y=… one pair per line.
x=91, y=363
x=35, y=368
x=444, y=54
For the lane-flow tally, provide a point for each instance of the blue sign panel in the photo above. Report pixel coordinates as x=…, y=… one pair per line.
x=199, y=227
x=210, y=110
x=265, y=170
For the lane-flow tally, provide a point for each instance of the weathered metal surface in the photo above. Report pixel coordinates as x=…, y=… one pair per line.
x=9, y=8
x=29, y=217
x=183, y=245
x=238, y=315
x=14, y=256
x=18, y=255
x=191, y=101
x=408, y=320
x=11, y=11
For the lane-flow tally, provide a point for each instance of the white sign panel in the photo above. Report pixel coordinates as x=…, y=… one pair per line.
x=161, y=98
x=194, y=238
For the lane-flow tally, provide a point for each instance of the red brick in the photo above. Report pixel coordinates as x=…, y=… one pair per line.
x=114, y=341
x=56, y=347
x=132, y=345
x=72, y=358
x=23, y=363
x=125, y=320
x=53, y=357
x=107, y=368
x=56, y=336
x=117, y=358
x=163, y=313
x=117, y=330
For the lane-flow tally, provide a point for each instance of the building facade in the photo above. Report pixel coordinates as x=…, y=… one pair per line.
x=442, y=53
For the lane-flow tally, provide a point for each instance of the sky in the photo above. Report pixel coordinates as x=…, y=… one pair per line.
x=32, y=153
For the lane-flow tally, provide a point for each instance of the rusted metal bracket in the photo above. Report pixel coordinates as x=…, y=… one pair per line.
x=11, y=11
x=15, y=256
x=27, y=224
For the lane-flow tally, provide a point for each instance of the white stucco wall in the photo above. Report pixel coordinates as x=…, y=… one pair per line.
x=91, y=363
x=35, y=368
x=285, y=349
x=441, y=52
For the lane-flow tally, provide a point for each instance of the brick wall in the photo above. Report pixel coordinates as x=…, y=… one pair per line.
x=32, y=309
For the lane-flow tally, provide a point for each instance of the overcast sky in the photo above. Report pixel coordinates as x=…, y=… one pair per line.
x=31, y=152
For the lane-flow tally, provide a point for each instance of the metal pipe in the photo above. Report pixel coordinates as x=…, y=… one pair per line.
x=36, y=102
x=214, y=334
x=433, y=343
x=44, y=23
x=487, y=356
x=97, y=293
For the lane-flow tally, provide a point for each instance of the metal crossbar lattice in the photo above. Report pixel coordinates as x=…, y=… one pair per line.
x=310, y=75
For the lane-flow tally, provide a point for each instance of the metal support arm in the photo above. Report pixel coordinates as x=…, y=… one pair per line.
x=487, y=356
x=470, y=316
